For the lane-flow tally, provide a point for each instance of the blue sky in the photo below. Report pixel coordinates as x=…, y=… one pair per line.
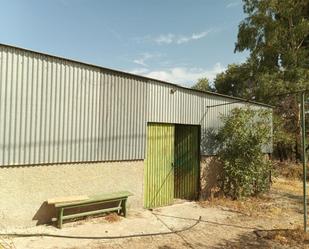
x=174, y=40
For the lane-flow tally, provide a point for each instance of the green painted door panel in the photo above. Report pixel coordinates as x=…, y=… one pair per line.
x=186, y=162
x=159, y=172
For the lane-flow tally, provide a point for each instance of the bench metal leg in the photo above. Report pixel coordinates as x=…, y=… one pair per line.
x=124, y=207
x=119, y=205
x=60, y=218
x=121, y=208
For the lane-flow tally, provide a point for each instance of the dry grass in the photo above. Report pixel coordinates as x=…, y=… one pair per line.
x=285, y=236
x=288, y=181
x=261, y=206
x=6, y=243
x=279, y=204
x=112, y=217
x=288, y=186
x=289, y=170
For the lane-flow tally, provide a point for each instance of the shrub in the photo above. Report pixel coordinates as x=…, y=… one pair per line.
x=245, y=167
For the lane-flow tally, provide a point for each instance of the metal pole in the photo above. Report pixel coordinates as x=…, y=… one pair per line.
x=304, y=158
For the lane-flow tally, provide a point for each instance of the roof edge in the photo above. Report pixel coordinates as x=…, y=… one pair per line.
x=136, y=75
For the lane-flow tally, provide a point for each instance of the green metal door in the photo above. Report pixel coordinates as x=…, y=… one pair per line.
x=186, y=162
x=159, y=172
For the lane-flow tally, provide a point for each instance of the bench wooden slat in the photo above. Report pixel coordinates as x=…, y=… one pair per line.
x=66, y=199
x=83, y=204
x=97, y=198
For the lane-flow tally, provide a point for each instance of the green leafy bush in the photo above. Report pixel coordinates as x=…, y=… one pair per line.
x=245, y=167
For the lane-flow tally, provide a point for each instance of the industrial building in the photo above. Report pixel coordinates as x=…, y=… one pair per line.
x=71, y=128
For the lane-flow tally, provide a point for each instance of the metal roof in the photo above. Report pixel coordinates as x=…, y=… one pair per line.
x=137, y=76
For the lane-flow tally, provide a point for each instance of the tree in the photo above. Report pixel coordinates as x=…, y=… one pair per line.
x=241, y=138
x=276, y=33
x=202, y=84
x=235, y=81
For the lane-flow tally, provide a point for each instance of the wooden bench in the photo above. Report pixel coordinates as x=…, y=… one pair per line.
x=118, y=197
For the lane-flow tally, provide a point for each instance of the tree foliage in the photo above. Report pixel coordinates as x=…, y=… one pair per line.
x=202, y=84
x=276, y=33
x=235, y=81
x=245, y=168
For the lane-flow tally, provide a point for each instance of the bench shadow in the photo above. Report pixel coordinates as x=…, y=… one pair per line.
x=45, y=214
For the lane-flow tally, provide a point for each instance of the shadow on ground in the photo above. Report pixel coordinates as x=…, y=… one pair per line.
x=247, y=240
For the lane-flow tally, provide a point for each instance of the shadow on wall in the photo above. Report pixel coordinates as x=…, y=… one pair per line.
x=45, y=214
x=211, y=170
x=209, y=141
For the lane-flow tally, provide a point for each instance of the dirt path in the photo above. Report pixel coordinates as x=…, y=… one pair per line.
x=222, y=223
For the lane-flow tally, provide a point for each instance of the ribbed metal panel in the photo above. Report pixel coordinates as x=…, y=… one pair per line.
x=215, y=107
x=53, y=110
x=168, y=104
x=56, y=110
x=159, y=171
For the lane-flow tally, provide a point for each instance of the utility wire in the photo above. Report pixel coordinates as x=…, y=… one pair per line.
x=230, y=103
x=180, y=236
x=252, y=102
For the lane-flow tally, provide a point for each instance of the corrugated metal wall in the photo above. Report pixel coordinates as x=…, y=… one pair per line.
x=168, y=104
x=55, y=110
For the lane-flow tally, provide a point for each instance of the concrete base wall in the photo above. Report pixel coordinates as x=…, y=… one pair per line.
x=25, y=189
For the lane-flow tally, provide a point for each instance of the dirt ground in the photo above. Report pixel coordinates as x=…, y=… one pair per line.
x=270, y=221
